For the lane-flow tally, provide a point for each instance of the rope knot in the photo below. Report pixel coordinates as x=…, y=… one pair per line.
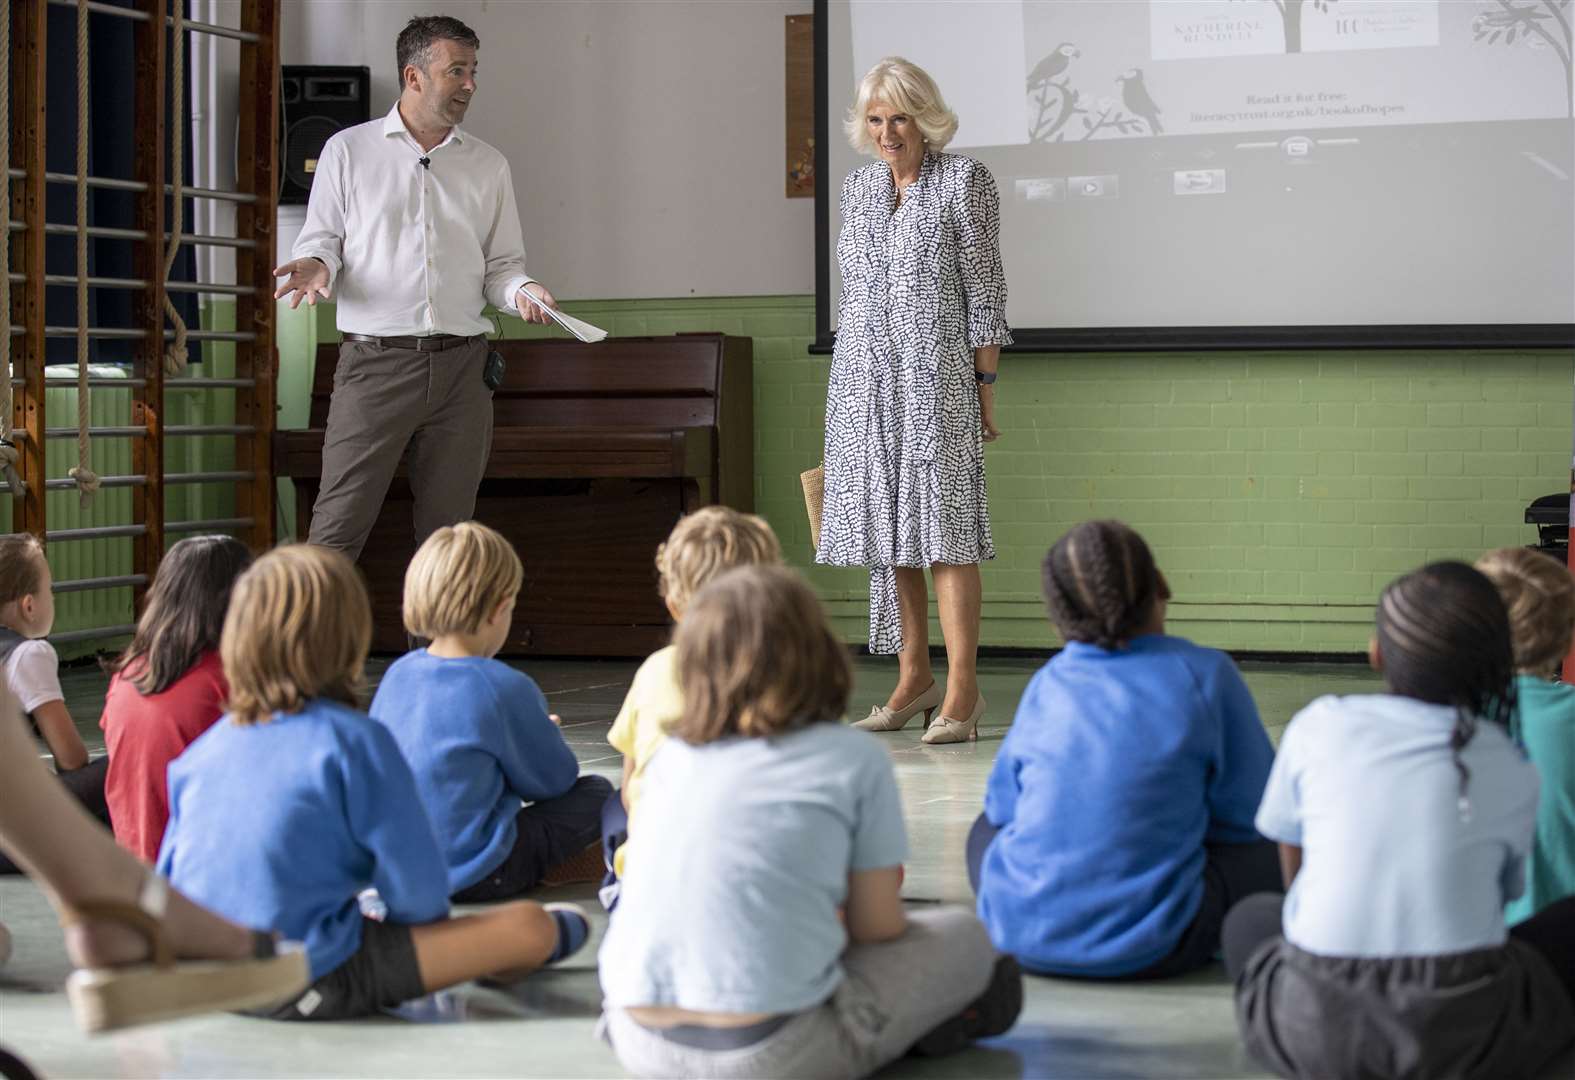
x=176, y=356
x=87, y=484
x=8, y=459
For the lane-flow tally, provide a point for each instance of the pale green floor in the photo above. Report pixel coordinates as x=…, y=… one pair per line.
x=1181, y=1028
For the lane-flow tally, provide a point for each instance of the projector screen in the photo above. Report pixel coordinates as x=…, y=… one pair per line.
x=1246, y=172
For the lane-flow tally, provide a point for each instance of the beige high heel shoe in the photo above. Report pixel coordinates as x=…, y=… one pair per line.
x=882, y=718
x=947, y=730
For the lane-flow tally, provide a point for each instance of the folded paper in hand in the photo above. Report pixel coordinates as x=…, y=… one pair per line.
x=578, y=327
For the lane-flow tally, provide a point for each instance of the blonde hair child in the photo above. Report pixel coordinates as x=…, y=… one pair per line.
x=501, y=785
x=761, y=926
x=32, y=671
x=701, y=546
x=1539, y=595
x=295, y=802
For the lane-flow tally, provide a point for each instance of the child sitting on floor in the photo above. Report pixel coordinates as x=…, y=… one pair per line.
x=32, y=671
x=168, y=686
x=1539, y=594
x=296, y=801
x=701, y=546
x=761, y=933
x=501, y=786
x=1404, y=820
x=1117, y=826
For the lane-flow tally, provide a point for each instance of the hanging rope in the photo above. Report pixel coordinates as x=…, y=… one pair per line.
x=8, y=455
x=175, y=355
x=82, y=473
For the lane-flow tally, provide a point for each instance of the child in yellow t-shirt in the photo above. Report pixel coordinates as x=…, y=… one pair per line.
x=701, y=546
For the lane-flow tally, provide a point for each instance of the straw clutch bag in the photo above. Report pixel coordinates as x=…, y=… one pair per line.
x=814, y=481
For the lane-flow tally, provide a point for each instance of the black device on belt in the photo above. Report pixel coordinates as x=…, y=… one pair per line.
x=492, y=373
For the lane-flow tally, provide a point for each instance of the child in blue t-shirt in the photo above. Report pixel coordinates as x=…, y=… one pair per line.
x=761, y=932
x=1117, y=826
x=497, y=778
x=1404, y=820
x=1539, y=593
x=295, y=802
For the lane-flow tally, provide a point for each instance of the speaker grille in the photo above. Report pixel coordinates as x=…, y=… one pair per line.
x=316, y=100
x=303, y=144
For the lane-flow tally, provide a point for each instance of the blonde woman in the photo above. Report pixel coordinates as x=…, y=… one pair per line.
x=911, y=402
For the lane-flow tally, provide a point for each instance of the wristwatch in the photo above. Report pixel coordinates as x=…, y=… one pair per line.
x=984, y=378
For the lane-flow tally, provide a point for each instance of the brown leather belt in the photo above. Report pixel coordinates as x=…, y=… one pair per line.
x=431, y=343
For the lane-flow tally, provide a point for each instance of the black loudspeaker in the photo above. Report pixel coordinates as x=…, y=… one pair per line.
x=316, y=102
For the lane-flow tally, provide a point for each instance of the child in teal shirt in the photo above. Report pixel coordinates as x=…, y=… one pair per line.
x=1539, y=593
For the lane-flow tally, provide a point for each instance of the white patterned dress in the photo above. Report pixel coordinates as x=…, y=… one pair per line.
x=922, y=287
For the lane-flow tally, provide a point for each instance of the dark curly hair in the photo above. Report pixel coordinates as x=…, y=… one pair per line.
x=1101, y=583
x=415, y=41
x=1443, y=638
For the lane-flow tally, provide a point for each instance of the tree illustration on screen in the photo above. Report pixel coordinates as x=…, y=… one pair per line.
x=1539, y=24
x=1291, y=15
x=1052, y=95
x=1055, y=101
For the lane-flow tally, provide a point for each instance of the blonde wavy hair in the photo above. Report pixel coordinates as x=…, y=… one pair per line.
x=908, y=88
x=1539, y=594
x=757, y=657
x=298, y=628
x=707, y=542
x=458, y=578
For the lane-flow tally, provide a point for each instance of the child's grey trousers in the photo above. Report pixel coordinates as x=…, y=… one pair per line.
x=894, y=993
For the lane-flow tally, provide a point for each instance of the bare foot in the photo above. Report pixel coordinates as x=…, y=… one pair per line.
x=100, y=943
x=193, y=931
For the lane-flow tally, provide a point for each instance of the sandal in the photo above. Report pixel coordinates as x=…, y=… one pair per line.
x=164, y=988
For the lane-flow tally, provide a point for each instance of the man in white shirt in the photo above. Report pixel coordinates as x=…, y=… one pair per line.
x=412, y=224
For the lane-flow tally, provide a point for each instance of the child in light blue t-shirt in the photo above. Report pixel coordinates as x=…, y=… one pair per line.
x=1404, y=820
x=501, y=785
x=1539, y=594
x=760, y=931
x=295, y=802
x=1117, y=826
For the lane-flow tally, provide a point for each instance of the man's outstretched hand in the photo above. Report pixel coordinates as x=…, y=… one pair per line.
x=308, y=279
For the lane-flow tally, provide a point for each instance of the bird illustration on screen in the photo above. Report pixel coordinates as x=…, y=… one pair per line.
x=1134, y=95
x=1054, y=65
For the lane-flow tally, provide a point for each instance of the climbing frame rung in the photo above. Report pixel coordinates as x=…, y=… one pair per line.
x=157, y=222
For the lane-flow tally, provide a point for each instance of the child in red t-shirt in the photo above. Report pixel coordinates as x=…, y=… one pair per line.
x=168, y=686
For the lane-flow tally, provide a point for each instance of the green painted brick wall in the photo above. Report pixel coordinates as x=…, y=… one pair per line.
x=1280, y=491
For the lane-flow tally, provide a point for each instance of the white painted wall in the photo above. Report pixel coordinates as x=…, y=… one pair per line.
x=214, y=71
x=645, y=136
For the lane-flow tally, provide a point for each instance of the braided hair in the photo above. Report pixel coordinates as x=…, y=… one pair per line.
x=1443, y=638
x=1101, y=583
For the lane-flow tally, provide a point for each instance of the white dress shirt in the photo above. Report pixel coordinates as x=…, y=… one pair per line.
x=413, y=249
